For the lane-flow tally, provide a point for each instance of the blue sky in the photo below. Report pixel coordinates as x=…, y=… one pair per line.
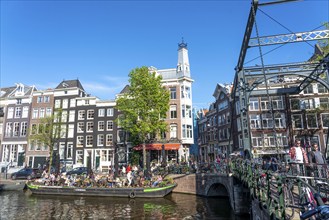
x=100, y=42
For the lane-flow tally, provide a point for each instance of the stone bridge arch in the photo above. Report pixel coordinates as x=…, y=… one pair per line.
x=208, y=185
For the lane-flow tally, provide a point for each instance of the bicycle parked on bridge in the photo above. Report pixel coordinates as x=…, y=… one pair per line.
x=321, y=212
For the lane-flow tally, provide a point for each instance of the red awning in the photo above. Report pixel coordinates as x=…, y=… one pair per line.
x=158, y=146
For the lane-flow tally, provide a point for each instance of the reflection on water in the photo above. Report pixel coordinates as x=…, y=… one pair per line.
x=20, y=205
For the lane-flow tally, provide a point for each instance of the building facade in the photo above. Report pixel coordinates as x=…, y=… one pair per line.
x=16, y=103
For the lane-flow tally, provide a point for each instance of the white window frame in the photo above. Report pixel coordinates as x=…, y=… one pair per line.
x=110, y=112
x=101, y=112
x=100, y=140
x=101, y=126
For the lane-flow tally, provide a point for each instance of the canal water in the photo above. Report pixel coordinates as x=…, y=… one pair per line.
x=24, y=205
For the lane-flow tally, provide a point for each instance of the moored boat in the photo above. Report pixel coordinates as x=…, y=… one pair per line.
x=9, y=185
x=128, y=192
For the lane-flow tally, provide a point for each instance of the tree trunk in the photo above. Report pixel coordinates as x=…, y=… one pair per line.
x=50, y=159
x=144, y=157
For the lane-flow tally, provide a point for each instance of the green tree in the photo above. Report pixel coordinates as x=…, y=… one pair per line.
x=144, y=106
x=48, y=133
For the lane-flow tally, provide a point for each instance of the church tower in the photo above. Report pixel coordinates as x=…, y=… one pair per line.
x=183, y=65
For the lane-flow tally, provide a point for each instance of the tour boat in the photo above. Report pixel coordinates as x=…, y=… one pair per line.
x=129, y=192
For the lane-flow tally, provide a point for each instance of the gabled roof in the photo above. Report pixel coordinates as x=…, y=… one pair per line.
x=24, y=90
x=4, y=92
x=70, y=84
x=125, y=89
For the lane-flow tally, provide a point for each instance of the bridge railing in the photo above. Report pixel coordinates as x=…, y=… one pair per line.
x=283, y=191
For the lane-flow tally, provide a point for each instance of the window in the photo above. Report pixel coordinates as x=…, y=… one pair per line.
x=79, y=156
x=42, y=113
x=173, y=111
x=264, y=103
x=109, y=125
x=183, y=111
x=81, y=115
x=257, y=140
x=295, y=104
x=185, y=92
x=64, y=116
x=308, y=89
x=80, y=141
x=280, y=121
x=10, y=112
x=69, y=151
x=297, y=121
x=90, y=114
x=70, y=133
x=89, y=140
x=109, y=139
x=25, y=112
x=253, y=104
x=35, y=113
x=101, y=125
x=109, y=112
x=325, y=120
x=72, y=103
x=34, y=129
x=101, y=112
x=46, y=99
x=90, y=126
x=173, y=131
x=277, y=102
x=18, y=101
x=307, y=104
x=71, y=116
x=18, y=112
x=324, y=103
x=322, y=89
x=173, y=93
x=267, y=120
x=65, y=103
x=189, y=131
x=312, y=121
x=57, y=103
x=188, y=111
x=48, y=112
x=23, y=129
x=254, y=121
x=106, y=155
x=222, y=105
x=184, y=131
x=81, y=127
x=61, y=150
x=9, y=129
x=100, y=140
x=16, y=129
x=39, y=99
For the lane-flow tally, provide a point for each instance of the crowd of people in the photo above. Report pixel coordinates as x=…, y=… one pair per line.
x=126, y=176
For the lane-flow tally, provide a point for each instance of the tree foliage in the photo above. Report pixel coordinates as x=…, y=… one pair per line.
x=48, y=133
x=145, y=104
